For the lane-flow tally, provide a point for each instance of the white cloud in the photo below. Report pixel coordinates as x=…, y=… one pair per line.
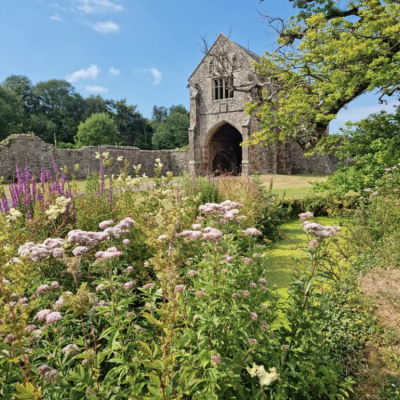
x=105, y=27
x=157, y=75
x=83, y=74
x=114, y=71
x=97, y=6
x=55, y=17
x=96, y=89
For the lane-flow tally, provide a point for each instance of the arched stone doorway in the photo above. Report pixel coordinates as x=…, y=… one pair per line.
x=225, y=150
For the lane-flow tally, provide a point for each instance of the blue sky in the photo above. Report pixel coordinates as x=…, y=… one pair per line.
x=141, y=50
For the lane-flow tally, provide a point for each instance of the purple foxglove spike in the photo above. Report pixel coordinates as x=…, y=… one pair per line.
x=55, y=166
x=28, y=213
x=4, y=203
x=42, y=176
x=34, y=198
x=27, y=174
x=63, y=179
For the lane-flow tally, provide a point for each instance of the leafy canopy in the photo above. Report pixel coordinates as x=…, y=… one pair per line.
x=327, y=55
x=170, y=127
x=97, y=130
x=366, y=149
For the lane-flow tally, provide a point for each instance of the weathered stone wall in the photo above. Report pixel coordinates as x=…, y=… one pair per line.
x=310, y=165
x=27, y=150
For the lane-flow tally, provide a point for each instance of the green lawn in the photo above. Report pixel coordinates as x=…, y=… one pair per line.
x=281, y=262
x=292, y=186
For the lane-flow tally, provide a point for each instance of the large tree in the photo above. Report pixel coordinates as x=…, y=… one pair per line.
x=58, y=110
x=170, y=127
x=328, y=54
x=97, y=130
x=11, y=113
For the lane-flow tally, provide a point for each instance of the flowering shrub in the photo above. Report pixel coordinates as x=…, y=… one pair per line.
x=157, y=297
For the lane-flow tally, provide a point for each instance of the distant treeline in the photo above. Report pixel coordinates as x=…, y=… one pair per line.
x=53, y=110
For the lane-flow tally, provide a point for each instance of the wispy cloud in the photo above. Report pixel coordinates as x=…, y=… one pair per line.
x=114, y=71
x=157, y=75
x=96, y=89
x=83, y=74
x=97, y=6
x=105, y=27
x=55, y=17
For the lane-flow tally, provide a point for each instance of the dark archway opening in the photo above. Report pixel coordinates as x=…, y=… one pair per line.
x=226, y=151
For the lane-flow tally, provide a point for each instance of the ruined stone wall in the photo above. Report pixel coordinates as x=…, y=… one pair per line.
x=27, y=150
x=310, y=165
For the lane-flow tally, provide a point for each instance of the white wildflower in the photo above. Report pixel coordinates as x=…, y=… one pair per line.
x=265, y=378
x=59, y=208
x=14, y=215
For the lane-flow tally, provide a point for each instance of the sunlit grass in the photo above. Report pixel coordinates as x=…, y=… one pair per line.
x=292, y=186
x=283, y=255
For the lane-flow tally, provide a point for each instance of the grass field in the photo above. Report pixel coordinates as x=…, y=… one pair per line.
x=291, y=186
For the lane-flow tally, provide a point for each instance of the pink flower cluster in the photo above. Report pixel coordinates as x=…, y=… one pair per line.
x=253, y=316
x=129, y=285
x=215, y=359
x=251, y=232
x=207, y=233
x=227, y=210
x=321, y=231
x=80, y=251
x=36, y=252
x=88, y=240
x=71, y=349
x=111, y=252
x=49, y=316
x=148, y=286
x=106, y=224
x=59, y=303
x=42, y=289
x=305, y=216
x=48, y=373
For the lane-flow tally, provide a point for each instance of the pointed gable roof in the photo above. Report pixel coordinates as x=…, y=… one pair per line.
x=221, y=36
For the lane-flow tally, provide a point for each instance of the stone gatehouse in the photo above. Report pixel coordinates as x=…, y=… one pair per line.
x=219, y=88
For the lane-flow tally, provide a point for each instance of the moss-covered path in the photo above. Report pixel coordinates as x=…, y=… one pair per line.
x=283, y=254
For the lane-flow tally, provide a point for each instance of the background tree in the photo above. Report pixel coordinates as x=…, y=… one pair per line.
x=11, y=113
x=365, y=148
x=170, y=127
x=134, y=130
x=328, y=54
x=58, y=110
x=97, y=130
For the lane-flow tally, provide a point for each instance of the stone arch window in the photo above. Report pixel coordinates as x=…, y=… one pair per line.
x=222, y=88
